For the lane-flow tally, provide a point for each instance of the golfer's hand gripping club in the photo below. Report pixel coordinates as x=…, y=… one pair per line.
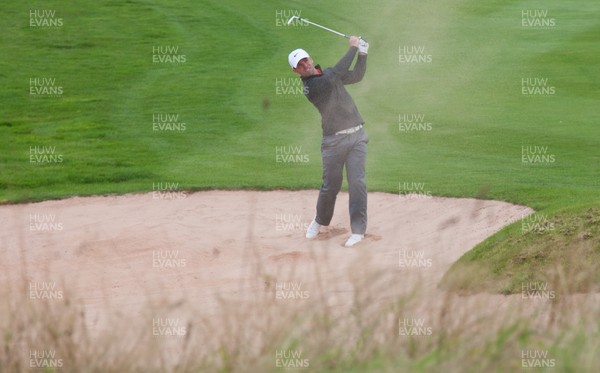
x=363, y=46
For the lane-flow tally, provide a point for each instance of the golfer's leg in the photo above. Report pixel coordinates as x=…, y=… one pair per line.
x=357, y=184
x=333, y=165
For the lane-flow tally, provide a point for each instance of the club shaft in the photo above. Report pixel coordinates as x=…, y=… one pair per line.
x=324, y=28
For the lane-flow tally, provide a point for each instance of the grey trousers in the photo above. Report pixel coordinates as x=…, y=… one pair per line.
x=349, y=150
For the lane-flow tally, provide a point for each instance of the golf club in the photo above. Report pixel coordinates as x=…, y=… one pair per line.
x=316, y=24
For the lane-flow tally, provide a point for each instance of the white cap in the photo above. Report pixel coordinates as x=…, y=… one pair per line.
x=296, y=56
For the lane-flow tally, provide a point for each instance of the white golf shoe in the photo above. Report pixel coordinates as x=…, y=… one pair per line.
x=313, y=229
x=354, y=239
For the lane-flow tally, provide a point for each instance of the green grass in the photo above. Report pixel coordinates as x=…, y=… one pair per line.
x=225, y=93
x=542, y=248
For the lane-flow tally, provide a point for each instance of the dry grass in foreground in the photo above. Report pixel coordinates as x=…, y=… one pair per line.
x=374, y=327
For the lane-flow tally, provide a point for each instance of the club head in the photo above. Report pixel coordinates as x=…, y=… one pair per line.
x=291, y=19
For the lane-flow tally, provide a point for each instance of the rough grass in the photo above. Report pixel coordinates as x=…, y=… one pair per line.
x=541, y=247
x=357, y=333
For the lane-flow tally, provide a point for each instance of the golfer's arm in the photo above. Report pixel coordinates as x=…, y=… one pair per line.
x=358, y=72
x=343, y=66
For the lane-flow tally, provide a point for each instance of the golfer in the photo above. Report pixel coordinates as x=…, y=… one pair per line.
x=344, y=139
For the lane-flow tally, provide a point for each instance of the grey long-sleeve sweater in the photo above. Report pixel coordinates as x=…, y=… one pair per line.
x=327, y=92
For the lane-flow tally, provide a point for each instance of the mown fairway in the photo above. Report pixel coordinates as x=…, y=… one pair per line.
x=225, y=92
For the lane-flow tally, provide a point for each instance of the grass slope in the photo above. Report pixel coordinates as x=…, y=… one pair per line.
x=559, y=250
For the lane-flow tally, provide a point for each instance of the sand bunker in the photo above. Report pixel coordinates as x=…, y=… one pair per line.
x=117, y=252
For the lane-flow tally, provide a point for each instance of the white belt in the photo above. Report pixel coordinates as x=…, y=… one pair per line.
x=349, y=130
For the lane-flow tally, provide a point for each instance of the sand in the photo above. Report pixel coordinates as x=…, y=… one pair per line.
x=122, y=252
